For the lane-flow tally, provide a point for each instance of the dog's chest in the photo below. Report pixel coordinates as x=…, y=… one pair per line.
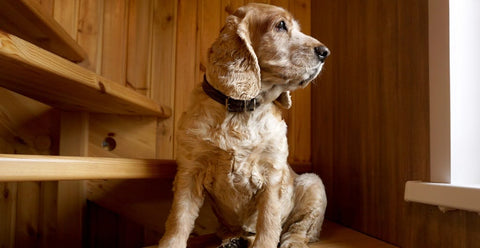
x=250, y=152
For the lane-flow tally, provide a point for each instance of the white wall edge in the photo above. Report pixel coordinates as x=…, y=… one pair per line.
x=444, y=195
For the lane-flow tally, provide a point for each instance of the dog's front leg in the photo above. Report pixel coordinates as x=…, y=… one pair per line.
x=187, y=200
x=269, y=218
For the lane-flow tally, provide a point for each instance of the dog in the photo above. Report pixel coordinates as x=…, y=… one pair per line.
x=232, y=144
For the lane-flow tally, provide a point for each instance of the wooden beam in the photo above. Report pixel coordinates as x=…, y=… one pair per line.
x=36, y=73
x=27, y=19
x=55, y=168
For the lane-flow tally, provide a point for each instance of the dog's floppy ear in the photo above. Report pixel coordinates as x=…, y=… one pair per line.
x=232, y=64
x=284, y=100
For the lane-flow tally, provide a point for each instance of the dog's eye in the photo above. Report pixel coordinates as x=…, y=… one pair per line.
x=281, y=26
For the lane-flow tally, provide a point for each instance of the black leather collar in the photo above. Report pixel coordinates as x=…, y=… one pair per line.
x=232, y=105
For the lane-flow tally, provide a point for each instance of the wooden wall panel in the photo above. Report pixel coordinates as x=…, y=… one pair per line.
x=114, y=52
x=299, y=116
x=162, y=70
x=90, y=30
x=138, y=47
x=27, y=214
x=134, y=136
x=8, y=208
x=47, y=6
x=66, y=13
x=370, y=122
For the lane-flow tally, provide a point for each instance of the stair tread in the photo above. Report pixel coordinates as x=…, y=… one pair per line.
x=43, y=76
x=333, y=236
x=54, y=168
x=27, y=20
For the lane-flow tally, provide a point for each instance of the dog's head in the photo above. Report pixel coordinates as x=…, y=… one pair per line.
x=260, y=48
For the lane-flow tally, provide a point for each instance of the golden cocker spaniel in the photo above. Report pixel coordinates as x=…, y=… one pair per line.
x=232, y=144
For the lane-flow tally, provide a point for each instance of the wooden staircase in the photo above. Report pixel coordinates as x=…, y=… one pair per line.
x=27, y=68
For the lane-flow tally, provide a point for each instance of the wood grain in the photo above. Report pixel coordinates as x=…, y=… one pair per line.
x=138, y=45
x=162, y=70
x=27, y=214
x=71, y=194
x=7, y=214
x=28, y=20
x=66, y=14
x=114, y=40
x=89, y=35
x=185, y=63
x=48, y=168
x=370, y=122
x=41, y=75
x=133, y=136
x=299, y=116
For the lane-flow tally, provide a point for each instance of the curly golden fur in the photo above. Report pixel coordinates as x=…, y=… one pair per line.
x=239, y=160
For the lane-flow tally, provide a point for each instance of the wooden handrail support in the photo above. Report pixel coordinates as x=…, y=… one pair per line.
x=27, y=20
x=57, y=168
x=41, y=75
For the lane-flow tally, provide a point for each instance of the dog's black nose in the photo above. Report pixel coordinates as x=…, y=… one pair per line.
x=322, y=52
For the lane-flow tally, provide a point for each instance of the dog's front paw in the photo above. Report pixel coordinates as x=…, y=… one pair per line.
x=234, y=243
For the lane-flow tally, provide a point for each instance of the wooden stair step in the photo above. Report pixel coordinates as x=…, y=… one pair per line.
x=56, y=168
x=43, y=76
x=27, y=20
x=333, y=236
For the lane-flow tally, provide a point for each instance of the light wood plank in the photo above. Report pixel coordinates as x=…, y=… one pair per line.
x=89, y=36
x=186, y=49
x=162, y=70
x=71, y=197
x=36, y=73
x=28, y=20
x=66, y=14
x=48, y=168
x=114, y=47
x=133, y=135
x=138, y=47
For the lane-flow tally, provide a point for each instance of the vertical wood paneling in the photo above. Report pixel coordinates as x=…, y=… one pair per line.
x=282, y=3
x=48, y=213
x=370, y=122
x=71, y=194
x=89, y=37
x=209, y=21
x=47, y=6
x=299, y=116
x=8, y=195
x=185, y=55
x=114, y=40
x=27, y=214
x=228, y=7
x=66, y=13
x=139, y=26
x=162, y=70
